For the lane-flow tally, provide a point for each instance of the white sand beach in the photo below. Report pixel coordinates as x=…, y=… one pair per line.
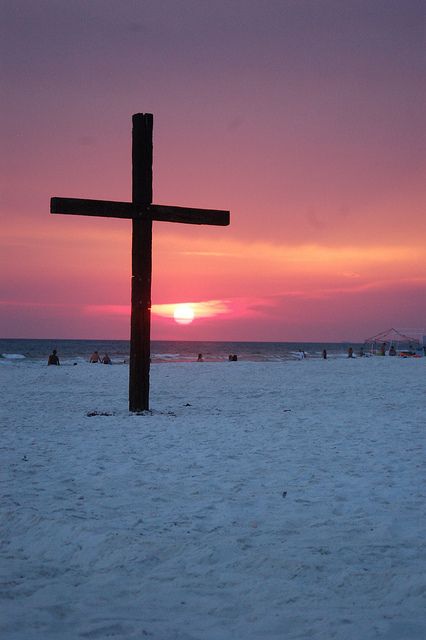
x=259, y=501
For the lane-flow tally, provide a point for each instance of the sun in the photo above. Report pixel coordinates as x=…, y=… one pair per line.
x=183, y=314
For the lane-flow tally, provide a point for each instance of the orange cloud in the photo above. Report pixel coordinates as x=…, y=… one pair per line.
x=203, y=309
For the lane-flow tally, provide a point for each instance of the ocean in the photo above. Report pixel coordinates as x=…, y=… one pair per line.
x=70, y=351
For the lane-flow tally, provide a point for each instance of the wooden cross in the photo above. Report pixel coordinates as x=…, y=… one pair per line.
x=142, y=212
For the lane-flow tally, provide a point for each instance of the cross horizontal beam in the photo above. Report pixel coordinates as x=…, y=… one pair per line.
x=162, y=213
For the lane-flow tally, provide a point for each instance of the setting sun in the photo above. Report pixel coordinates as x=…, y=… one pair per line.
x=183, y=314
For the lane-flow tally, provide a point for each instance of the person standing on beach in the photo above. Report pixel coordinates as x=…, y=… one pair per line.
x=95, y=357
x=53, y=358
x=106, y=359
x=324, y=354
x=350, y=352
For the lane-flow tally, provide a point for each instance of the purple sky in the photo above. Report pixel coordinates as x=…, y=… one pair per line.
x=304, y=118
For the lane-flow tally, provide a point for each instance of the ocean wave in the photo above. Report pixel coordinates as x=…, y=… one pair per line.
x=13, y=356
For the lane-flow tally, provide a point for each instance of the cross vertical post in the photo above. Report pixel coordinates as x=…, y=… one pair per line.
x=140, y=322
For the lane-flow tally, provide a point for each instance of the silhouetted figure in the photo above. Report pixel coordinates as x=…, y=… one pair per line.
x=200, y=358
x=106, y=359
x=234, y=357
x=392, y=351
x=95, y=357
x=53, y=358
x=324, y=354
x=350, y=352
x=383, y=349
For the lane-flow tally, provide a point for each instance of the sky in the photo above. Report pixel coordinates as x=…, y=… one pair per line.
x=303, y=118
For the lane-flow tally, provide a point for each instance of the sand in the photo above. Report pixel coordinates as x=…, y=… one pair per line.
x=259, y=501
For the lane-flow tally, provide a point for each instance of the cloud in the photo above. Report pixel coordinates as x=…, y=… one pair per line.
x=203, y=309
x=294, y=252
x=214, y=254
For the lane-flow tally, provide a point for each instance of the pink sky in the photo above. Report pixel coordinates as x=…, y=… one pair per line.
x=304, y=119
